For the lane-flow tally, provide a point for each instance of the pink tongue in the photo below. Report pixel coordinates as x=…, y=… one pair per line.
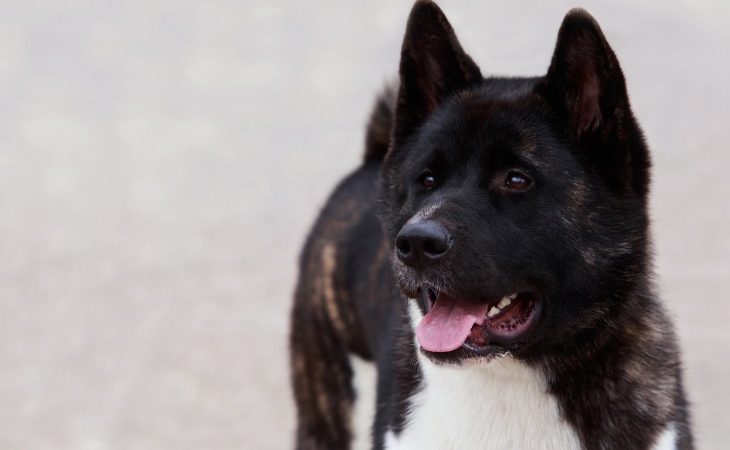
x=448, y=324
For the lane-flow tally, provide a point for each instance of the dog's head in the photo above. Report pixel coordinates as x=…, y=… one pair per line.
x=516, y=207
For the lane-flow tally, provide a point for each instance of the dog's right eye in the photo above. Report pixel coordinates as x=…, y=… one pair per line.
x=427, y=180
x=517, y=181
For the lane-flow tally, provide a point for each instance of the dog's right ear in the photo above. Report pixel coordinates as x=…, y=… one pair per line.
x=432, y=66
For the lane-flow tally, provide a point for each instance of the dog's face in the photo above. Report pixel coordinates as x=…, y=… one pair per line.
x=514, y=206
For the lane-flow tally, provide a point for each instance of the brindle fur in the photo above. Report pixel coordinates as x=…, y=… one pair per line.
x=614, y=364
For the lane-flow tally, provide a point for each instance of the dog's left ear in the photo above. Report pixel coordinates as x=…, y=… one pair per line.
x=586, y=86
x=432, y=66
x=584, y=77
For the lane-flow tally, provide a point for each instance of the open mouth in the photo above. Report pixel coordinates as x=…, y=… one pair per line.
x=451, y=323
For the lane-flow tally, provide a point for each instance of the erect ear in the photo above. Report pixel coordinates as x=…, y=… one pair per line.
x=586, y=86
x=432, y=66
x=584, y=77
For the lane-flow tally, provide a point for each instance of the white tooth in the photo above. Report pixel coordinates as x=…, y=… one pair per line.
x=512, y=296
x=493, y=311
x=504, y=302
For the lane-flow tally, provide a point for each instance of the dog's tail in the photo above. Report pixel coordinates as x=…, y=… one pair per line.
x=377, y=132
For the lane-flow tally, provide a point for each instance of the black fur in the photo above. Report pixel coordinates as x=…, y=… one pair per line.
x=579, y=236
x=377, y=135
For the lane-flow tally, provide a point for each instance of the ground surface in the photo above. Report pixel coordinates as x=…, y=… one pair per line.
x=160, y=163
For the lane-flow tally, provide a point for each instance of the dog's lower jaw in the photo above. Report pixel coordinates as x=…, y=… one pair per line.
x=483, y=400
x=495, y=403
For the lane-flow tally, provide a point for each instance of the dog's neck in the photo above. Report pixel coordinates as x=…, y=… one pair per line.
x=621, y=389
x=613, y=395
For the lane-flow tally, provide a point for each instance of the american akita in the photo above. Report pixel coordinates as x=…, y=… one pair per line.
x=490, y=262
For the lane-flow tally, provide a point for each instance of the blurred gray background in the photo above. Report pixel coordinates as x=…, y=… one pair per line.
x=161, y=161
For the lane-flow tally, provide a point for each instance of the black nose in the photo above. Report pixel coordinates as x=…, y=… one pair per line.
x=422, y=242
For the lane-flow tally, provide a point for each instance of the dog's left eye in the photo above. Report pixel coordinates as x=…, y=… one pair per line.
x=517, y=181
x=427, y=180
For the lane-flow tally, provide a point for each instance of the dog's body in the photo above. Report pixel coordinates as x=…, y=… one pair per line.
x=500, y=283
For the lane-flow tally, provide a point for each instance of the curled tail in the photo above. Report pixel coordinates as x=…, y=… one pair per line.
x=377, y=132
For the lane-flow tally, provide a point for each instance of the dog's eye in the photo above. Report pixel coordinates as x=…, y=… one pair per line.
x=517, y=181
x=427, y=180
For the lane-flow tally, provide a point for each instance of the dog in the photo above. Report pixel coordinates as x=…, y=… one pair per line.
x=484, y=278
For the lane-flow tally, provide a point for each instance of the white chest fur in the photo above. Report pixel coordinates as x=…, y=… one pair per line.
x=503, y=404
x=497, y=405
